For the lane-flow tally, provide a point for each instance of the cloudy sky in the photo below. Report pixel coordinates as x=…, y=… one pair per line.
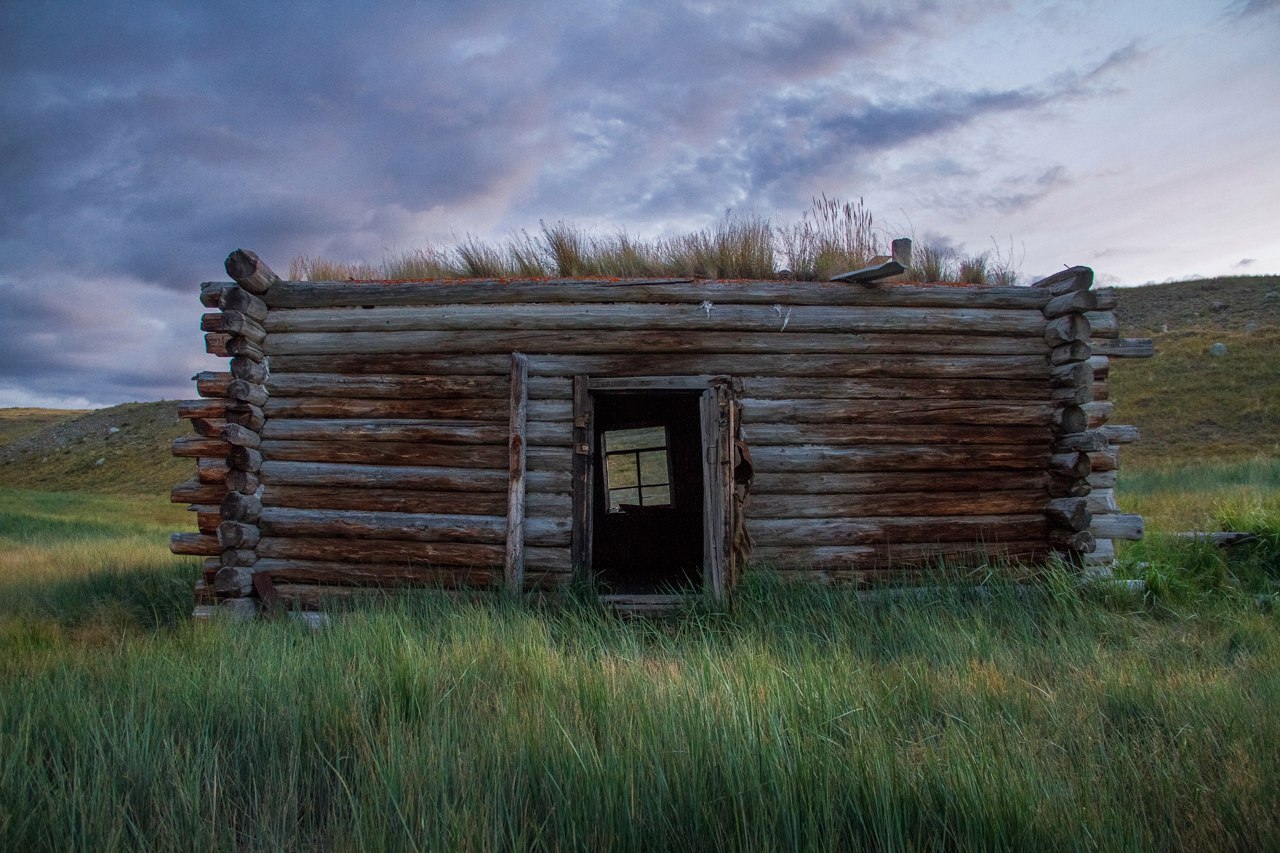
x=140, y=142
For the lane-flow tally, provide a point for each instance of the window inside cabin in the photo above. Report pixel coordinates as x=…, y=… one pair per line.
x=637, y=467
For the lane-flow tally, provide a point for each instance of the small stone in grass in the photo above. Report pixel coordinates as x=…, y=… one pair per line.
x=1218, y=349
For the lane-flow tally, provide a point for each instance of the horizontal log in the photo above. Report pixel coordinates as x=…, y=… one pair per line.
x=211, y=470
x=1107, y=298
x=387, y=453
x=1102, y=324
x=250, y=272
x=202, y=409
x=390, y=387
x=1102, y=480
x=194, y=544
x=211, y=322
x=895, y=482
x=242, y=481
x=247, y=392
x=783, y=433
x=212, y=383
x=299, y=294
x=470, y=409
x=1103, y=554
x=381, y=551
x=774, y=388
x=240, y=507
x=208, y=517
x=1073, y=302
x=1076, y=395
x=480, y=342
x=1099, y=412
x=837, y=564
x=208, y=427
x=235, y=534
x=1104, y=460
x=248, y=370
x=1089, y=441
x=1101, y=366
x=196, y=492
x=215, y=343
x=383, y=476
x=1125, y=347
x=416, y=527
x=1102, y=501
x=902, y=529
x=1117, y=526
x=1120, y=433
x=897, y=411
x=819, y=458
x=1079, y=541
x=211, y=292
x=707, y=316
x=401, y=429
x=326, y=497
x=239, y=300
x=1069, y=513
x=244, y=326
x=314, y=583
x=1066, y=281
x=829, y=365
x=239, y=436
x=1072, y=351
x=910, y=503
x=1065, y=330
x=1072, y=374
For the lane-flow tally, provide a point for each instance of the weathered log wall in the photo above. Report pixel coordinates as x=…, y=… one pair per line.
x=364, y=432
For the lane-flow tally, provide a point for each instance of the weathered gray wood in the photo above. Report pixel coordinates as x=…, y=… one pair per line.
x=1100, y=391
x=583, y=479
x=1105, y=460
x=894, y=482
x=238, y=347
x=244, y=326
x=513, y=560
x=1072, y=302
x=715, y=511
x=233, y=581
x=247, y=392
x=773, y=388
x=1070, y=464
x=1102, y=501
x=623, y=317
x=211, y=292
x=238, y=299
x=194, y=544
x=412, y=527
x=232, y=557
x=396, y=476
x=247, y=415
x=1066, y=281
x=399, y=429
x=211, y=322
x=196, y=492
x=215, y=343
x=1081, y=541
x=1067, y=487
x=1103, y=324
x=235, y=534
x=1076, y=395
x=240, y=507
x=834, y=459
x=762, y=434
x=638, y=341
x=296, y=294
x=239, y=436
x=1117, y=526
x=1101, y=366
x=1102, y=480
x=392, y=387
x=1069, y=513
x=1070, y=419
x=387, y=453
x=1065, y=330
x=242, y=481
x=1039, y=413
x=908, y=503
x=244, y=458
x=1099, y=412
x=250, y=272
x=1103, y=554
x=1069, y=352
x=193, y=447
x=1120, y=433
x=381, y=551
x=464, y=408
x=539, y=504
x=1125, y=347
x=906, y=529
x=1107, y=298
x=1001, y=367
x=249, y=370
x=1089, y=441
x=881, y=564
x=1074, y=373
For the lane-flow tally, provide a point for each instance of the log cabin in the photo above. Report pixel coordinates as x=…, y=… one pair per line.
x=651, y=439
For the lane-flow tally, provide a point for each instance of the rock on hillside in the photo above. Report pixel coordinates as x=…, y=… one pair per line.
x=123, y=449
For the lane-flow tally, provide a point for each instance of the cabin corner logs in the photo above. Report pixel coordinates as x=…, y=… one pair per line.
x=453, y=434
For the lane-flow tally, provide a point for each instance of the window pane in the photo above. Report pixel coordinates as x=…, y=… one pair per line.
x=623, y=496
x=657, y=496
x=633, y=439
x=622, y=470
x=653, y=468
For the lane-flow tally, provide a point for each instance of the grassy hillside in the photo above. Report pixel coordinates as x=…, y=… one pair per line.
x=1190, y=404
x=122, y=450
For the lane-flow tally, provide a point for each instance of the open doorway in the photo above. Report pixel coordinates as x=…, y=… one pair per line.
x=648, y=507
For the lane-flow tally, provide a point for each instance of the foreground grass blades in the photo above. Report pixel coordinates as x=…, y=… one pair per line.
x=803, y=718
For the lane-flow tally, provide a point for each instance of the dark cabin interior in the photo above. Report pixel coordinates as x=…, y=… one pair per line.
x=647, y=535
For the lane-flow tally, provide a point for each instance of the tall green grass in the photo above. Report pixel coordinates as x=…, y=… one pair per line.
x=801, y=718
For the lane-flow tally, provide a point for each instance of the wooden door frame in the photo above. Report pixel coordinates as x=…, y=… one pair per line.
x=718, y=431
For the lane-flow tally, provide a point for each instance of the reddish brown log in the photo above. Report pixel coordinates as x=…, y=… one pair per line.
x=194, y=447
x=211, y=384
x=211, y=322
x=193, y=544
x=211, y=470
x=202, y=409
x=388, y=500
x=196, y=492
x=215, y=343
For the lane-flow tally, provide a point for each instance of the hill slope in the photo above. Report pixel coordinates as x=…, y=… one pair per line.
x=122, y=450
